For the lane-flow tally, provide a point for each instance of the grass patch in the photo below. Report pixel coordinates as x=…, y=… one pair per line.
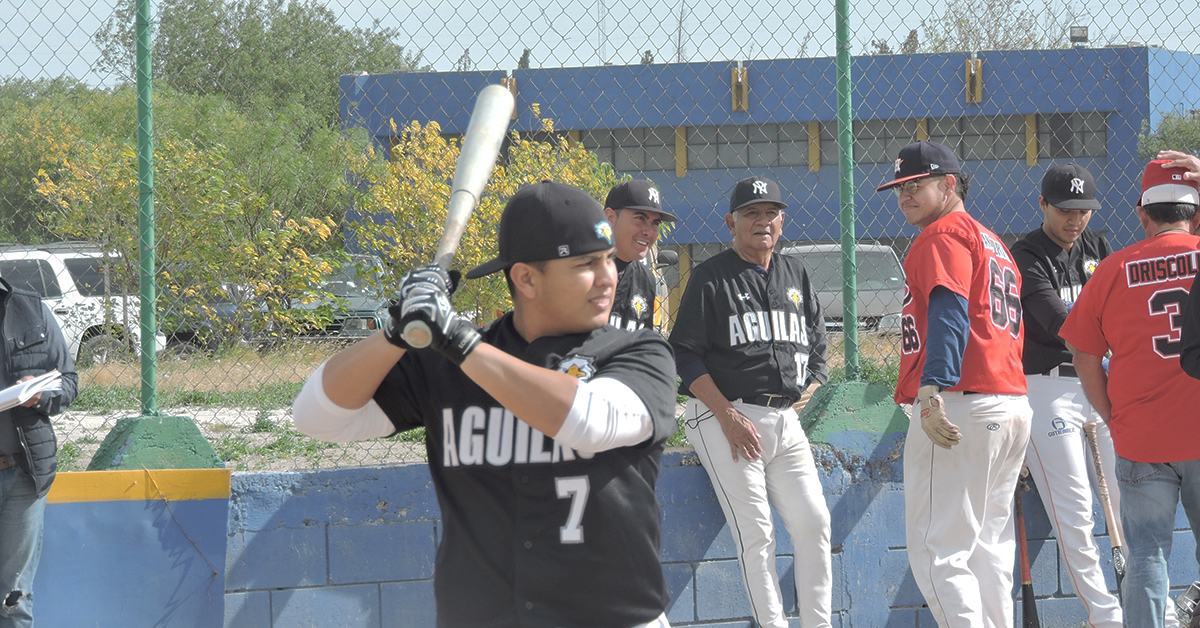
x=112, y=398
x=70, y=457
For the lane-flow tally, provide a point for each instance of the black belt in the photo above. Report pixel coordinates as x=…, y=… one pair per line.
x=1062, y=370
x=11, y=460
x=777, y=402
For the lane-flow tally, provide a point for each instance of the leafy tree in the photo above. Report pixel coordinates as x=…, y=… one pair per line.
x=29, y=109
x=1174, y=132
x=404, y=201
x=259, y=53
x=523, y=63
x=215, y=225
x=967, y=25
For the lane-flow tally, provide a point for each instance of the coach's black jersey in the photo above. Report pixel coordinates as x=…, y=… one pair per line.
x=1051, y=279
x=756, y=335
x=633, y=300
x=535, y=533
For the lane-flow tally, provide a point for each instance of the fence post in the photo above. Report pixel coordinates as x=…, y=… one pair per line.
x=146, y=211
x=845, y=117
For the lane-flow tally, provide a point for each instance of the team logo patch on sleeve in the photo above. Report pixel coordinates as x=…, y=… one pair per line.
x=638, y=304
x=1089, y=266
x=580, y=366
x=794, y=296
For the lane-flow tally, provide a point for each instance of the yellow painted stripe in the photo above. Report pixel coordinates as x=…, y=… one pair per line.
x=814, y=146
x=107, y=486
x=681, y=151
x=1031, y=140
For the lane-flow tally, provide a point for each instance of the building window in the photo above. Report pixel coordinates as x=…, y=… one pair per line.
x=633, y=149
x=1068, y=135
x=724, y=147
x=879, y=141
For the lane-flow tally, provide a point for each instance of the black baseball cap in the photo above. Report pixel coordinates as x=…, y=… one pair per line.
x=755, y=190
x=546, y=221
x=1070, y=186
x=638, y=194
x=923, y=159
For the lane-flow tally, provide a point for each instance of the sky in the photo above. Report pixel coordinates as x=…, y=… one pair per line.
x=49, y=38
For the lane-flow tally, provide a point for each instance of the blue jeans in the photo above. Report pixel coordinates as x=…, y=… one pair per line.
x=20, y=546
x=1150, y=495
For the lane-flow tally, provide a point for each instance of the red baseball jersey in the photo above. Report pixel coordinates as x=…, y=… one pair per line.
x=1133, y=306
x=967, y=258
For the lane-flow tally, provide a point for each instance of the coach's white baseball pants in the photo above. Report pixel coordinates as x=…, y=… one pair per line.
x=1061, y=464
x=958, y=507
x=784, y=477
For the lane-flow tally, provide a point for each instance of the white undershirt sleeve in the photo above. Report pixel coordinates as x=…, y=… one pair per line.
x=315, y=414
x=605, y=414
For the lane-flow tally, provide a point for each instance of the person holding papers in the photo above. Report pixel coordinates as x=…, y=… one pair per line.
x=31, y=344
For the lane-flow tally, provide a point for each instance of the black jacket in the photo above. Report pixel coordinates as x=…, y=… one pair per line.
x=33, y=344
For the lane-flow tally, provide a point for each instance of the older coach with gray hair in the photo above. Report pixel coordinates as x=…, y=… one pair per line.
x=749, y=339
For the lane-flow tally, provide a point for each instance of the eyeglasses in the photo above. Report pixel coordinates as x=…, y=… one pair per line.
x=909, y=186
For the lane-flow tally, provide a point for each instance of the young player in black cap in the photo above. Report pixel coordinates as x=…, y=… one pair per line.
x=1055, y=261
x=635, y=210
x=960, y=365
x=748, y=340
x=544, y=430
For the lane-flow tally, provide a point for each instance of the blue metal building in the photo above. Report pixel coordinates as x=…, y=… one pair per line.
x=1010, y=115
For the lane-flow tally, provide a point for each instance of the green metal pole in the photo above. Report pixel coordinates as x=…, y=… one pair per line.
x=845, y=115
x=146, y=210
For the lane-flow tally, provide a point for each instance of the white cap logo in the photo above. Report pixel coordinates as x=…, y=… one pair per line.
x=898, y=162
x=1077, y=186
x=760, y=187
x=653, y=194
x=933, y=167
x=564, y=251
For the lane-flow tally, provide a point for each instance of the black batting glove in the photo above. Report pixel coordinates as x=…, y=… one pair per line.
x=450, y=333
x=432, y=276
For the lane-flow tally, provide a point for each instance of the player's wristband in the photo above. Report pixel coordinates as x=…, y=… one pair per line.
x=461, y=338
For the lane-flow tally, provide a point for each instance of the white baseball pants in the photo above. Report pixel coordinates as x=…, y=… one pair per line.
x=958, y=507
x=1060, y=462
x=784, y=477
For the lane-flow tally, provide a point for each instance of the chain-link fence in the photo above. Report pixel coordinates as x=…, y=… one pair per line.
x=303, y=152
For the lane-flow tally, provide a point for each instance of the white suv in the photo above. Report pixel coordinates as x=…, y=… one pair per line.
x=98, y=318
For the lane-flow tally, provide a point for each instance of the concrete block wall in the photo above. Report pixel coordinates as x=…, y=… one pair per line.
x=355, y=547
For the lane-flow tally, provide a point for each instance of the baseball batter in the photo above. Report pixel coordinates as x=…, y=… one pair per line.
x=1133, y=307
x=960, y=366
x=748, y=340
x=544, y=430
x=1055, y=262
x=635, y=210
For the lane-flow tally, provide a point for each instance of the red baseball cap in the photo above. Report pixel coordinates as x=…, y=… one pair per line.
x=1168, y=185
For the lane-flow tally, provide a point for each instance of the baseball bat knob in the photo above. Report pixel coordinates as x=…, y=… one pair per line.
x=417, y=334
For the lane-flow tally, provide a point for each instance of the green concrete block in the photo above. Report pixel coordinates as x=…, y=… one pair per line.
x=852, y=407
x=155, y=442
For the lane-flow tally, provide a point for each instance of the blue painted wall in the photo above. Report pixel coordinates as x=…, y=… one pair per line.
x=1131, y=84
x=120, y=564
x=355, y=547
x=1174, y=83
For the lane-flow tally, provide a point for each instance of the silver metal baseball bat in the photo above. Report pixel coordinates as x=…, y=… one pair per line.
x=480, y=148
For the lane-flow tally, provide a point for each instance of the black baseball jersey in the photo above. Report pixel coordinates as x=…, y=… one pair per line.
x=756, y=335
x=1051, y=279
x=633, y=300
x=535, y=533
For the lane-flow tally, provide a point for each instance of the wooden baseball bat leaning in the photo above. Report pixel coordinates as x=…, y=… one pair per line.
x=1114, y=531
x=1028, y=603
x=480, y=147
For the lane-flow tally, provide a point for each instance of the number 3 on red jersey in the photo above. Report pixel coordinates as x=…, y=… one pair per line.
x=1005, y=297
